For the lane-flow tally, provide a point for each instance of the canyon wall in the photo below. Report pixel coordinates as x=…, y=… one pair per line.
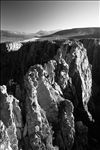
x=55, y=87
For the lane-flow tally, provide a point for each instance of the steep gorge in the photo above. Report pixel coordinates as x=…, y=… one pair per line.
x=58, y=94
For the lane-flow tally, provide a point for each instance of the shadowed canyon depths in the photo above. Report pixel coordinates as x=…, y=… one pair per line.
x=49, y=95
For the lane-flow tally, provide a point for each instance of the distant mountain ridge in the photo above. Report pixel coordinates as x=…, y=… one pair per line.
x=20, y=36
x=76, y=33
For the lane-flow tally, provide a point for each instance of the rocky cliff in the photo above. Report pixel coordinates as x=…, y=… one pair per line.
x=93, y=52
x=50, y=95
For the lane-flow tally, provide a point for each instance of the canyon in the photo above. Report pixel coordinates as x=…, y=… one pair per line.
x=49, y=95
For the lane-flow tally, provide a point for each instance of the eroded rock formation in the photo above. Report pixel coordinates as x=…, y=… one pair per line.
x=93, y=51
x=10, y=121
x=52, y=82
x=58, y=110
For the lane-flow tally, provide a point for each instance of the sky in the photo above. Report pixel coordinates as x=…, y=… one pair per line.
x=32, y=16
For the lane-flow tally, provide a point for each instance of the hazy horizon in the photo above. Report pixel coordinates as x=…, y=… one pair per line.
x=33, y=16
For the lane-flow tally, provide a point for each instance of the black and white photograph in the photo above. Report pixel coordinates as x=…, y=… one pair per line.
x=50, y=75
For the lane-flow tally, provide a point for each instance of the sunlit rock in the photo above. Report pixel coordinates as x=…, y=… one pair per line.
x=10, y=118
x=13, y=46
x=75, y=55
x=38, y=128
x=43, y=96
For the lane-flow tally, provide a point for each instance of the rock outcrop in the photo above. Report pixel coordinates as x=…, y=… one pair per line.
x=75, y=70
x=93, y=52
x=39, y=131
x=10, y=121
x=14, y=46
x=58, y=110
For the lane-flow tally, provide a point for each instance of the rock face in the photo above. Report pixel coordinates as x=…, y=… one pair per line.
x=52, y=83
x=39, y=131
x=14, y=46
x=10, y=121
x=75, y=76
x=81, y=141
x=93, y=51
x=41, y=95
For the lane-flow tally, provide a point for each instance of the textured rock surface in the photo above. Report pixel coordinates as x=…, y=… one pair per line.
x=10, y=120
x=93, y=51
x=65, y=133
x=40, y=91
x=81, y=136
x=14, y=46
x=75, y=69
x=53, y=84
x=39, y=131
